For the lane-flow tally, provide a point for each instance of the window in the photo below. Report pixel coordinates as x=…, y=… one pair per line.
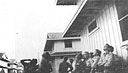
x=92, y=27
x=68, y=43
x=122, y=10
x=124, y=28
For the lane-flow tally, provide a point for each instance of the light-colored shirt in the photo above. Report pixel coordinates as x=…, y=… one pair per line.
x=89, y=62
x=102, y=59
x=95, y=61
x=109, y=58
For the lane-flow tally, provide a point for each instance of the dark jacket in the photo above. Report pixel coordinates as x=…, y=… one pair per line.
x=45, y=66
x=63, y=68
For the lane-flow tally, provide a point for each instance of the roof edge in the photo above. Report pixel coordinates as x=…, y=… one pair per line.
x=66, y=38
x=74, y=17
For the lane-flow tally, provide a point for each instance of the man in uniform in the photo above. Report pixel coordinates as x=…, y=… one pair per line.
x=64, y=66
x=108, y=59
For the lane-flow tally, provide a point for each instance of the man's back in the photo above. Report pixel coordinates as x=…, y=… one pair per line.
x=63, y=68
x=45, y=66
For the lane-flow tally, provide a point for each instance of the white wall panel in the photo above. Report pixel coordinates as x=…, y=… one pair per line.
x=59, y=46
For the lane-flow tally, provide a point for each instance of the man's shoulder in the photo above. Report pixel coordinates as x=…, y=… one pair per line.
x=61, y=63
x=44, y=61
x=110, y=54
x=64, y=63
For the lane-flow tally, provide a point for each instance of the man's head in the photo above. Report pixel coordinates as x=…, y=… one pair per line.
x=79, y=56
x=86, y=55
x=111, y=48
x=71, y=61
x=108, y=48
x=46, y=55
x=97, y=52
x=65, y=58
x=91, y=55
x=33, y=62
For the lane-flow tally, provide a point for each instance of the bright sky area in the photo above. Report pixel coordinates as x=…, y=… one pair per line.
x=24, y=25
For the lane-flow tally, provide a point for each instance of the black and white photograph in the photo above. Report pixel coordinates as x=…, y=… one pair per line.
x=63, y=36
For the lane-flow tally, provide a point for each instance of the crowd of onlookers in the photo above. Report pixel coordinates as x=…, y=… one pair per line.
x=93, y=62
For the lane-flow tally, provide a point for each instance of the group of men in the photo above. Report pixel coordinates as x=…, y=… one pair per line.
x=91, y=62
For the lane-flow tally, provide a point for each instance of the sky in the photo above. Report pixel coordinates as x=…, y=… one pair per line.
x=24, y=25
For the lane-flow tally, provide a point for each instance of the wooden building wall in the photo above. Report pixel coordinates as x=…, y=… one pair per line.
x=59, y=46
x=108, y=30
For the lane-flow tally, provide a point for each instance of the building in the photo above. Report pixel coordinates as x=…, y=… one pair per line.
x=60, y=47
x=99, y=22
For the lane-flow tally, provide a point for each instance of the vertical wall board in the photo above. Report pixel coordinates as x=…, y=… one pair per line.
x=100, y=34
x=118, y=35
x=114, y=37
x=102, y=29
x=110, y=24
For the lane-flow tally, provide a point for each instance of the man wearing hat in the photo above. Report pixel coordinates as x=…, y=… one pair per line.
x=102, y=58
x=106, y=59
x=95, y=60
x=109, y=59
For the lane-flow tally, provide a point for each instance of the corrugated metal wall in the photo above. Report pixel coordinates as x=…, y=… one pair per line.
x=108, y=31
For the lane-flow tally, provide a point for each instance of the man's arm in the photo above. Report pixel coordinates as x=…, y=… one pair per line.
x=70, y=66
x=50, y=68
x=95, y=63
x=23, y=61
x=60, y=68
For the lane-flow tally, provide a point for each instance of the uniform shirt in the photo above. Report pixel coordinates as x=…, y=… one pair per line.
x=89, y=62
x=95, y=61
x=109, y=58
x=102, y=59
x=78, y=64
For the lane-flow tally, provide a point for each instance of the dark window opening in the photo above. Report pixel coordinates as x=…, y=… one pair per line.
x=124, y=28
x=92, y=26
x=122, y=10
x=68, y=43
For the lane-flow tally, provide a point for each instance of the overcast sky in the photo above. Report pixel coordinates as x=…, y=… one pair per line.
x=25, y=23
